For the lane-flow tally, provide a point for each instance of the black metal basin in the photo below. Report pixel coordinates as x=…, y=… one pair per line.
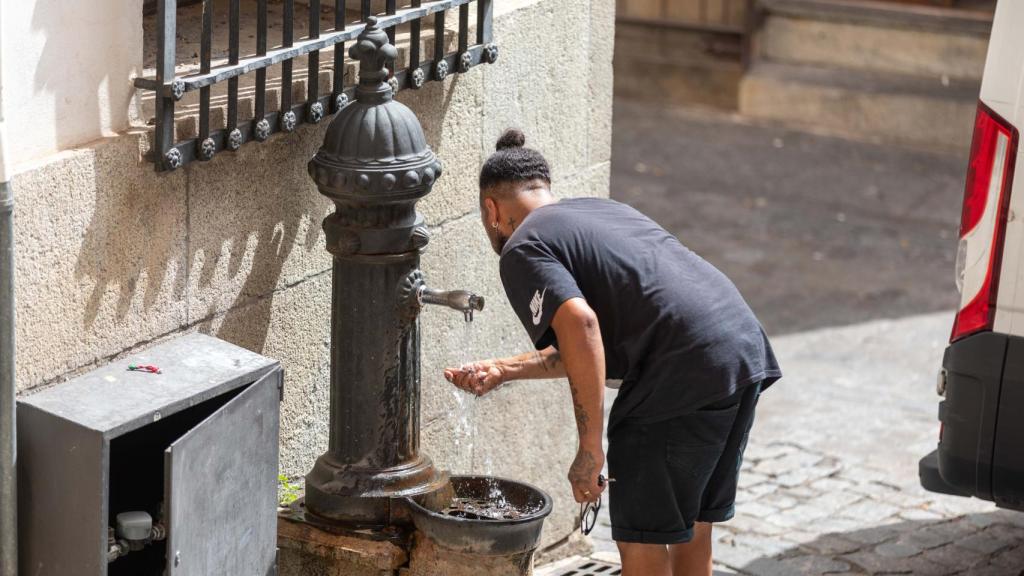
x=496, y=534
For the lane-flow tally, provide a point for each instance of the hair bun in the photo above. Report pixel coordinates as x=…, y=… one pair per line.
x=512, y=138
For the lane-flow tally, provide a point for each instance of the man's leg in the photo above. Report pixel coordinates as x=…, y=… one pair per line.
x=644, y=559
x=693, y=558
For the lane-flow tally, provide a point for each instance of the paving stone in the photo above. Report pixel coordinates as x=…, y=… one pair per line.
x=744, y=522
x=760, y=490
x=800, y=537
x=949, y=531
x=759, y=509
x=874, y=564
x=801, y=492
x=735, y=556
x=833, y=501
x=787, y=463
x=1012, y=559
x=951, y=506
x=954, y=557
x=873, y=535
x=780, y=501
x=897, y=550
x=870, y=511
x=799, y=565
x=1010, y=517
x=926, y=539
x=873, y=489
x=833, y=544
x=1009, y=534
x=992, y=570
x=800, y=515
x=901, y=499
x=802, y=476
x=751, y=478
x=743, y=549
x=982, y=520
x=759, y=451
x=832, y=525
x=919, y=515
x=826, y=485
x=982, y=543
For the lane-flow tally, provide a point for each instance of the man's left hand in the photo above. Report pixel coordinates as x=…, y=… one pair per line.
x=583, y=475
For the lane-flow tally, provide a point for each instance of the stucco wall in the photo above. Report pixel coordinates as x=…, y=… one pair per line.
x=112, y=256
x=67, y=71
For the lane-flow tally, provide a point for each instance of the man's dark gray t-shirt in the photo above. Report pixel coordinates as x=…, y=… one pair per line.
x=676, y=331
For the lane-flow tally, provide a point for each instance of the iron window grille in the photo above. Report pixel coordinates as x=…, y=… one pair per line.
x=169, y=88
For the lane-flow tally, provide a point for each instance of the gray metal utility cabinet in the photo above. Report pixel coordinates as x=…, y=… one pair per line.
x=195, y=447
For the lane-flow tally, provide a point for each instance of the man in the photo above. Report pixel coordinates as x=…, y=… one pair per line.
x=604, y=292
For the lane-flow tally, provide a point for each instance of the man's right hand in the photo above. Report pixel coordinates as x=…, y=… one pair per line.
x=477, y=378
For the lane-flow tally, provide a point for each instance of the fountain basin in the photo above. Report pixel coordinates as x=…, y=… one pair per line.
x=483, y=515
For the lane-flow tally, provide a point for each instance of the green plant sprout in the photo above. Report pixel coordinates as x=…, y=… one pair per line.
x=287, y=492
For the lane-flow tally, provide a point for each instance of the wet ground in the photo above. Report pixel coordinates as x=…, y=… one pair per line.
x=845, y=251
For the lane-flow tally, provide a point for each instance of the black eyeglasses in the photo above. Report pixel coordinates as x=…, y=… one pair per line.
x=588, y=516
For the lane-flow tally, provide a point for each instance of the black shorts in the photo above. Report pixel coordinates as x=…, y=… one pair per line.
x=673, y=473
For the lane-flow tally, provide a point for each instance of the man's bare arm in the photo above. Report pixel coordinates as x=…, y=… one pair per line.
x=481, y=377
x=546, y=363
x=582, y=351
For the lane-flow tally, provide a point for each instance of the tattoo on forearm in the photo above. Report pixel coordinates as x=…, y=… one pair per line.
x=552, y=362
x=582, y=418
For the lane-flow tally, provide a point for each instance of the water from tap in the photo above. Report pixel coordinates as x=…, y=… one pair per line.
x=465, y=416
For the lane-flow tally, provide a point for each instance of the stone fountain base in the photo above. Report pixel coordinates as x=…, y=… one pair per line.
x=466, y=547
x=305, y=549
x=430, y=559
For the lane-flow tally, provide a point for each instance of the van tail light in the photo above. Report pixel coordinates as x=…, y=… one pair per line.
x=983, y=221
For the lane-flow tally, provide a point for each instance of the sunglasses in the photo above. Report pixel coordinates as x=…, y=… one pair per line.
x=589, y=510
x=588, y=516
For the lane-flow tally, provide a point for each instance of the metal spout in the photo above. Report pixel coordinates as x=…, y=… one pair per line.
x=461, y=300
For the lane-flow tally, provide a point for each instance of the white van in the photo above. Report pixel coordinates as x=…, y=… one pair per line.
x=981, y=442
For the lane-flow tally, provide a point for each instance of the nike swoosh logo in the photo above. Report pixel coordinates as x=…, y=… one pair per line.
x=538, y=308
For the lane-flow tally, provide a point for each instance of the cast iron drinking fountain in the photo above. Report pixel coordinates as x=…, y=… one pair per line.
x=373, y=481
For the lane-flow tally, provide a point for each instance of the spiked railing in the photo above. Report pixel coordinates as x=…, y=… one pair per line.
x=169, y=88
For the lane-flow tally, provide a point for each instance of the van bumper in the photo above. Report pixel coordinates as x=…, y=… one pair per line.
x=981, y=446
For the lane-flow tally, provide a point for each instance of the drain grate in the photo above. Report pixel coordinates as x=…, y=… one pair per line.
x=592, y=568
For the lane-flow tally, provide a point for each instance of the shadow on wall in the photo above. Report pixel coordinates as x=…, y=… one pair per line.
x=276, y=213
x=990, y=543
x=134, y=242
x=218, y=239
x=254, y=230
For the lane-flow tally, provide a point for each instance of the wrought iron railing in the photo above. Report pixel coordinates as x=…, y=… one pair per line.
x=169, y=88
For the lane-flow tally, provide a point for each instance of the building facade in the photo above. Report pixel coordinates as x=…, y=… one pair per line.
x=113, y=256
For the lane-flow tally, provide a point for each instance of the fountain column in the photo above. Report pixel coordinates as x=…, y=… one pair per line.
x=374, y=165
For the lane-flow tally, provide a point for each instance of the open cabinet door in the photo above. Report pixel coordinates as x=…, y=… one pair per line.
x=221, y=488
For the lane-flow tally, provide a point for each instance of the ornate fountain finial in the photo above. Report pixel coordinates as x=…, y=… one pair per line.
x=374, y=52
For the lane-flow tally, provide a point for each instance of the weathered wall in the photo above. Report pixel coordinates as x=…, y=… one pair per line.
x=112, y=256
x=68, y=68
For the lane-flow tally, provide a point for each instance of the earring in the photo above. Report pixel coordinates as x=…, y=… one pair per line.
x=494, y=224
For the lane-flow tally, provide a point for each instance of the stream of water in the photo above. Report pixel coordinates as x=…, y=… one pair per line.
x=496, y=506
